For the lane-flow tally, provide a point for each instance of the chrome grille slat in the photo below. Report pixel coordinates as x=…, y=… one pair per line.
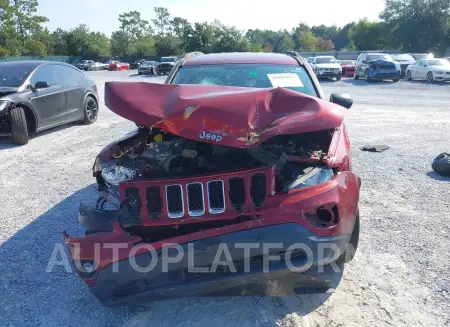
x=216, y=189
x=175, y=201
x=195, y=199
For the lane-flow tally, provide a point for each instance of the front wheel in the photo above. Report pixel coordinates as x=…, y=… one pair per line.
x=338, y=78
x=430, y=77
x=395, y=80
x=355, y=75
x=19, y=129
x=408, y=75
x=367, y=77
x=90, y=110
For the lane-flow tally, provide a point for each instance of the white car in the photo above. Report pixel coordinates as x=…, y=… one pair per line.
x=430, y=70
x=326, y=67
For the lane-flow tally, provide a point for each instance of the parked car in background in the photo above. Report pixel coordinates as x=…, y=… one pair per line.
x=37, y=95
x=326, y=67
x=84, y=64
x=431, y=70
x=376, y=66
x=348, y=67
x=136, y=64
x=163, y=68
x=418, y=56
x=117, y=65
x=147, y=67
x=96, y=66
x=404, y=60
x=194, y=166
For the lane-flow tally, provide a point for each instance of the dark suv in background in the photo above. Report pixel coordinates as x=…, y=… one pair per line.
x=376, y=66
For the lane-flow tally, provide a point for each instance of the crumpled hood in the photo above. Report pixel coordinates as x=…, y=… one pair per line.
x=383, y=63
x=5, y=90
x=232, y=116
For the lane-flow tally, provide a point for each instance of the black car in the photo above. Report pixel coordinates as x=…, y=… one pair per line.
x=37, y=95
x=136, y=64
x=164, y=68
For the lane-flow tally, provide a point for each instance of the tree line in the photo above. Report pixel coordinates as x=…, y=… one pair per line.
x=409, y=25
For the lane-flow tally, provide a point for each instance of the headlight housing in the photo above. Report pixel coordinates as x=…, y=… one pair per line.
x=316, y=175
x=438, y=72
x=3, y=105
x=116, y=174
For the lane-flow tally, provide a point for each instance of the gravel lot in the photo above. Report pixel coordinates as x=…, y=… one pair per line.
x=400, y=275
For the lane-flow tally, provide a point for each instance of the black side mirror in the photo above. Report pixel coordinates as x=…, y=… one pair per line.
x=41, y=85
x=342, y=99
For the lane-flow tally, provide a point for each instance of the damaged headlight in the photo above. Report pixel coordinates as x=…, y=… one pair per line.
x=314, y=176
x=117, y=174
x=3, y=105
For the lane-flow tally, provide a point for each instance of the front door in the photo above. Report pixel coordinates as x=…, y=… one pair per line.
x=48, y=103
x=72, y=80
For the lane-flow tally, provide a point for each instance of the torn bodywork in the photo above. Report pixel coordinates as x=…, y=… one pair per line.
x=220, y=165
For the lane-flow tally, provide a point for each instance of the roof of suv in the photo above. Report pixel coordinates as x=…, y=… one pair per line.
x=241, y=58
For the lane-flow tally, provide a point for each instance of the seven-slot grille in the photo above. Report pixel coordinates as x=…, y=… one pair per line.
x=196, y=198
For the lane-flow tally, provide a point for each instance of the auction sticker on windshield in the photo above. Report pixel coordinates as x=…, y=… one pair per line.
x=285, y=80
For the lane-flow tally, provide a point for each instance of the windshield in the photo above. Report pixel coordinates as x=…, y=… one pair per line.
x=402, y=57
x=325, y=61
x=167, y=59
x=347, y=62
x=379, y=56
x=247, y=75
x=148, y=63
x=438, y=62
x=14, y=75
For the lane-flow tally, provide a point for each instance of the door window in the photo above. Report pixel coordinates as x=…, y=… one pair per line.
x=69, y=76
x=47, y=74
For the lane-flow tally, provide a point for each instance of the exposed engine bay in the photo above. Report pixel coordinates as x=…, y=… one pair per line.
x=156, y=154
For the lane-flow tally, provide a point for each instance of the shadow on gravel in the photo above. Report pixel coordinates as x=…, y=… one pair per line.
x=6, y=141
x=426, y=83
x=364, y=83
x=31, y=296
x=438, y=177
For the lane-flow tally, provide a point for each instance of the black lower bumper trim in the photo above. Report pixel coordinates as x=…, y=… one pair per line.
x=121, y=283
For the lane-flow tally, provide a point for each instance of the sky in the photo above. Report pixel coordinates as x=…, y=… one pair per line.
x=102, y=15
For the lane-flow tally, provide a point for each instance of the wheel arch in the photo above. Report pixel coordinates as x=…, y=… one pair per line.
x=30, y=115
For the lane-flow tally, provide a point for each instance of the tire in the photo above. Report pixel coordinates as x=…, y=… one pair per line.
x=352, y=245
x=90, y=109
x=408, y=75
x=338, y=78
x=430, y=77
x=395, y=80
x=366, y=76
x=139, y=73
x=355, y=76
x=152, y=71
x=19, y=128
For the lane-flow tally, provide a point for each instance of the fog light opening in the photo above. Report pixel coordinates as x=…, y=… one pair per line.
x=324, y=215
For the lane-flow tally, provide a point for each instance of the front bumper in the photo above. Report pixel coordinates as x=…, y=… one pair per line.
x=120, y=282
x=326, y=74
x=145, y=70
x=380, y=74
x=284, y=219
x=441, y=77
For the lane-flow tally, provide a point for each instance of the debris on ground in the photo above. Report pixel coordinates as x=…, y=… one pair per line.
x=375, y=148
x=441, y=164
